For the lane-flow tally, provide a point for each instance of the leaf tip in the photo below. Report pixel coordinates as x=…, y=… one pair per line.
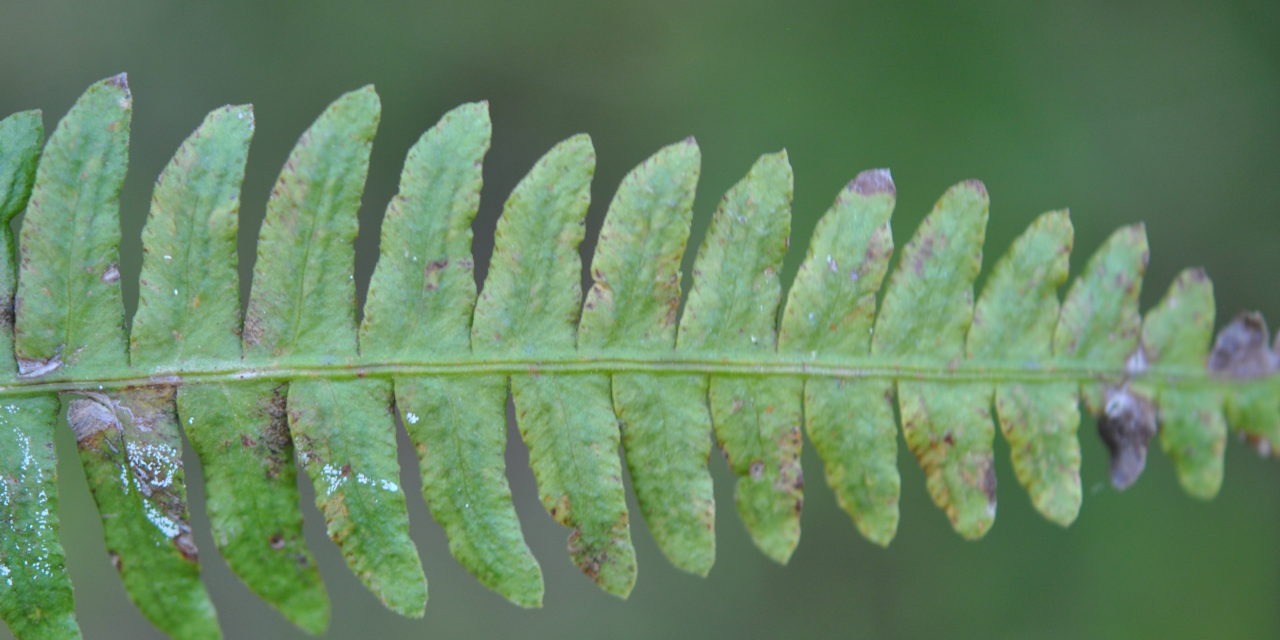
x=977, y=186
x=240, y=112
x=701, y=571
x=772, y=166
x=312, y=622
x=881, y=537
x=874, y=182
x=579, y=142
x=1137, y=233
x=1062, y=216
x=527, y=599
x=367, y=97
x=1194, y=275
x=32, y=116
x=1063, y=515
x=119, y=81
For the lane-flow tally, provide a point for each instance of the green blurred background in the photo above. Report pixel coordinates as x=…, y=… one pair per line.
x=1164, y=112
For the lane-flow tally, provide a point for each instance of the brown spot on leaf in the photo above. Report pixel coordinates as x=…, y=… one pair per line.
x=276, y=404
x=186, y=544
x=1260, y=444
x=34, y=368
x=430, y=273
x=589, y=561
x=1127, y=424
x=989, y=481
x=90, y=414
x=111, y=274
x=756, y=470
x=791, y=478
x=276, y=541
x=253, y=331
x=872, y=182
x=560, y=509
x=275, y=434
x=1240, y=350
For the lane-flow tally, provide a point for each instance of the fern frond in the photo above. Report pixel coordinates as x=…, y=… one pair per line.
x=852, y=342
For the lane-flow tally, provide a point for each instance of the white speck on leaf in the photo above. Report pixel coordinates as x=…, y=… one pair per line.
x=166, y=526
x=333, y=476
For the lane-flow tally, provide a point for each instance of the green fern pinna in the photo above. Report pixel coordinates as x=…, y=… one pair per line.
x=295, y=380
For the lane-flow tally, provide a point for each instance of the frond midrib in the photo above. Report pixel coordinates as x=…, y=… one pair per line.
x=620, y=361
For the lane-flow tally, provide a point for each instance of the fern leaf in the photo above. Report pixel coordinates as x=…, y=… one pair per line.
x=420, y=303
x=22, y=133
x=733, y=308
x=189, y=286
x=1099, y=322
x=1240, y=353
x=68, y=309
x=622, y=369
x=35, y=591
x=1014, y=321
x=529, y=303
x=830, y=312
x=302, y=305
x=132, y=457
x=188, y=311
x=926, y=313
x=69, y=321
x=1193, y=429
x=632, y=305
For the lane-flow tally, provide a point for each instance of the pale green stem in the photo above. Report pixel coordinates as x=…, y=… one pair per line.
x=612, y=362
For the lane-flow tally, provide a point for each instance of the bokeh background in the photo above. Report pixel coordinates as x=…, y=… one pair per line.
x=1164, y=112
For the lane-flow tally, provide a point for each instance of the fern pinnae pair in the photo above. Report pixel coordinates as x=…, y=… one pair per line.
x=298, y=379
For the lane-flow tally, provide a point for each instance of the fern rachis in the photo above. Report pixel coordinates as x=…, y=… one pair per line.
x=853, y=340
